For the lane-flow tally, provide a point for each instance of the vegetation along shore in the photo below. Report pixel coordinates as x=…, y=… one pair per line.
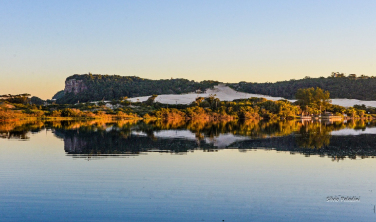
x=310, y=103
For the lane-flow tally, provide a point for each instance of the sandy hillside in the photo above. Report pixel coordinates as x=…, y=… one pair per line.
x=225, y=93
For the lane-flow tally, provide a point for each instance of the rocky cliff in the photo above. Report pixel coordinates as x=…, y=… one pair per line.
x=75, y=86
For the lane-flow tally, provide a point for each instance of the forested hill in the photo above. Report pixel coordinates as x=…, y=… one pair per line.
x=339, y=87
x=94, y=87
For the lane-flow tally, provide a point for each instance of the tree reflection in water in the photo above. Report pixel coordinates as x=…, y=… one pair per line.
x=104, y=138
x=314, y=135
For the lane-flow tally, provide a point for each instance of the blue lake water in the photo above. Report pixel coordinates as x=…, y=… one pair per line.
x=113, y=172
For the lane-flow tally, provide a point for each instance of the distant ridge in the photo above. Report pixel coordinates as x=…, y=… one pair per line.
x=352, y=87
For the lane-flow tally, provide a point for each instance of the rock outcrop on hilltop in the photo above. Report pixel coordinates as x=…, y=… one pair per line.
x=95, y=87
x=75, y=86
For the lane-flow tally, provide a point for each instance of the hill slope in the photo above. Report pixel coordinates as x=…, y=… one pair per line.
x=225, y=93
x=339, y=87
x=89, y=87
x=222, y=92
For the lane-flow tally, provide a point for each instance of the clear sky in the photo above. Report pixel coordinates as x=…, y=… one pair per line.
x=43, y=42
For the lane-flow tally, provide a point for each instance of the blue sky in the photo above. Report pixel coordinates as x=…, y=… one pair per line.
x=43, y=42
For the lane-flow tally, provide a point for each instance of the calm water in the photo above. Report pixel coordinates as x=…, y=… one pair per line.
x=187, y=171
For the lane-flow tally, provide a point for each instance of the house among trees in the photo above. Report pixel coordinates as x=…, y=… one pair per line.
x=303, y=117
x=327, y=114
x=353, y=76
x=337, y=74
x=363, y=77
x=330, y=116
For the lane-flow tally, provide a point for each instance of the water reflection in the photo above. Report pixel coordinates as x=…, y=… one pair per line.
x=124, y=138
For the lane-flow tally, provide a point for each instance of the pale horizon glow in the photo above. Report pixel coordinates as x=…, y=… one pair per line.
x=44, y=42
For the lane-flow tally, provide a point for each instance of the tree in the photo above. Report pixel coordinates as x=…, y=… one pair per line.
x=70, y=112
x=313, y=98
x=213, y=102
x=351, y=111
x=361, y=113
x=151, y=100
x=198, y=101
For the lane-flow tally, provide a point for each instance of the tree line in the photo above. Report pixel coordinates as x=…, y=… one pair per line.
x=310, y=101
x=338, y=85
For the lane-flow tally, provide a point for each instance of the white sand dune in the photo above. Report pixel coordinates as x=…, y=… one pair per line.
x=225, y=93
x=352, y=102
x=222, y=92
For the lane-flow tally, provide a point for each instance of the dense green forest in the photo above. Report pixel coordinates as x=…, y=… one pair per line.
x=339, y=86
x=109, y=87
